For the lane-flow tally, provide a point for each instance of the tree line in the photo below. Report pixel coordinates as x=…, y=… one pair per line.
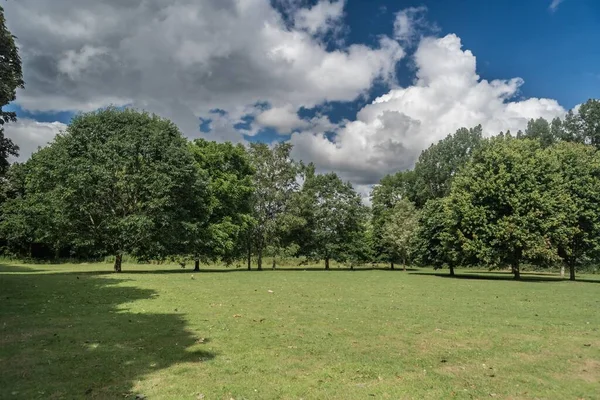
x=127, y=182
x=500, y=202
x=122, y=182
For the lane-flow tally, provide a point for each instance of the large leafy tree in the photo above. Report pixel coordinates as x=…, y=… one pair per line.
x=230, y=188
x=335, y=219
x=11, y=78
x=399, y=232
x=119, y=182
x=508, y=202
x=437, y=165
x=579, y=237
x=275, y=182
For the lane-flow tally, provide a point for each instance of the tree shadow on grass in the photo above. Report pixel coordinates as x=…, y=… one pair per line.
x=66, y=336
x=16, y=268
x=504, y=276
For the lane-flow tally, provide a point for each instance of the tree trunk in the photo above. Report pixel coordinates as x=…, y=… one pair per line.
x=392, y=265
x=259, y=261
x=562, y=272
x=118, y=262
x=451, y=270
x=273, y=267
x=249, y=257
x=571, y=271
x=326, y=262
x=404, y=265
x=197, y=265
x=515, y=270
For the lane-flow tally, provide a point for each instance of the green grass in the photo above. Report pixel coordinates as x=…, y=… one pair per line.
x=79, y=331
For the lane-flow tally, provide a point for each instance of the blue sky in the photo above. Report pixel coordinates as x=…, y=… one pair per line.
x=292, y=70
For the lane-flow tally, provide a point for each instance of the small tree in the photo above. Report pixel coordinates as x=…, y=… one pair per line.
x=435, y=240
x=390, y=190
x=275, y=182
x=335, y=218
x=399, y=232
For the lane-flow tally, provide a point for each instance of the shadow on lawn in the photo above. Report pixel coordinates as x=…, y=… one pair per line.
x=505, y=276
x=67, y=336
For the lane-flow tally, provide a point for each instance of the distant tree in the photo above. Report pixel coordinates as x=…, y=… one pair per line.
x=508, y=204
x=399, y=232
x=335, y=219
x=11, y=78
x=435, y=242
x=539, y=129
x=275, y=181
x=117, y=182
x=589, y=117
x=228, y=172
x=389, y=191
x=437, y=165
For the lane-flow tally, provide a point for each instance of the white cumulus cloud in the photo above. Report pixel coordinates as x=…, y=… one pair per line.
x=389, y=134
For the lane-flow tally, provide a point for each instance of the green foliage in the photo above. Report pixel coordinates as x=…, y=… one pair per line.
x=435, y=238
x=539, y=129
x=334, y=219
x=275, y=181
x=578, y=239
x=11, y=78
x=228, y=172
x=399, y=231
x=385, y=195
x=437, y=166
x=508, y=202
x=115, y=182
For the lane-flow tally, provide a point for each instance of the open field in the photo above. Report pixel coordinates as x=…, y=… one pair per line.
x=79, y=331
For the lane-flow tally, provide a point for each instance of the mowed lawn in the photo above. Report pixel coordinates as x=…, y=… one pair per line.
x=79, y=331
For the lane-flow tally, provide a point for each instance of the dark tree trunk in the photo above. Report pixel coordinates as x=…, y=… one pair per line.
x=391, y=265
x=515, y=270
x=451, y=270
x=404, y=265
x=273, y=263
x=571, y=270
x=326, y=262
x=197, y=265
x=118, y=262
x=249, y=257
x=259, y=261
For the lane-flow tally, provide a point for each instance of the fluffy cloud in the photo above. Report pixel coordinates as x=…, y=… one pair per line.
x=284, y=119
x=320, y=18
x=389, y=133
x=411, y=23
x=29, y=135
x=185, y=59
x=182, y=59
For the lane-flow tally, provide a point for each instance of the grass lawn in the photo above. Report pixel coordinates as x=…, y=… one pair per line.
x=79, y=331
